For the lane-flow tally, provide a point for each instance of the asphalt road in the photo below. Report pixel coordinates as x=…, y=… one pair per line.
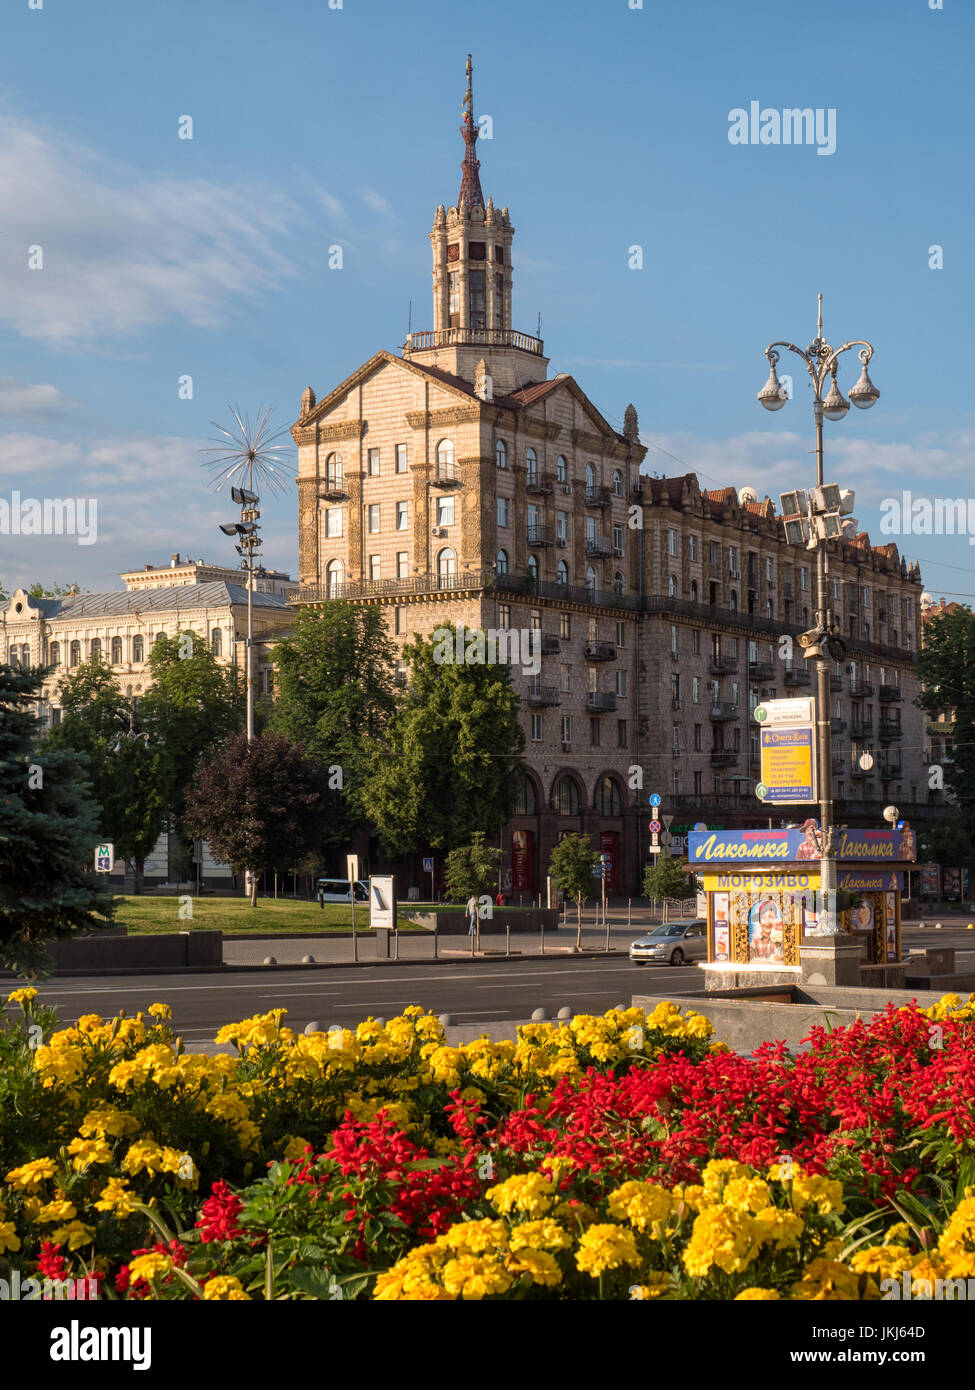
x=479, y=992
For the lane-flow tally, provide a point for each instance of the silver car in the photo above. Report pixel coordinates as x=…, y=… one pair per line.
x=672, y=944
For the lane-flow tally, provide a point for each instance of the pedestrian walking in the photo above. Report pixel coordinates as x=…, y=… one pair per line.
x=321, y=896
x=472, y=914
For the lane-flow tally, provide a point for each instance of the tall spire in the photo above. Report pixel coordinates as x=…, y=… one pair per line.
x=470, y=184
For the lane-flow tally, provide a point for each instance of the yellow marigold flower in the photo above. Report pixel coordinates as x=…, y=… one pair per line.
x=160, y=1011
x=150, y=1267
x=118, y=1198
x=61, y=1210
x=781, y=1227
x=606, y=1246
x=576, y=1215
x=9, y=1239
x=74, y=1235
x=531, y=1193
x=226, y=1287
x=541, y=1266
x=88, y=1151
x=755, y=1295
x=747, y=1194
x=539, y=1235
x=107, y=1121
x=827, y=1281
x=641, y=1203
x=721, y=1171
x=154, y=1158
x=957, y=1243
x=889, y=1261
x=29, y=1176
x=62, y=1064
x=724, y=1237
x=897, y=1234
x=555, y=1165
x=469, y=1277
x=656, y=1286
x=824, y=1192
x=22, y=996
x=476, y=1236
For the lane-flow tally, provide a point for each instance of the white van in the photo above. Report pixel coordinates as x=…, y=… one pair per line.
x=336, y=890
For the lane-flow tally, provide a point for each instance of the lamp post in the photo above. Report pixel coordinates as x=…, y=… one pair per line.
x=249, y=542
x=822, y=522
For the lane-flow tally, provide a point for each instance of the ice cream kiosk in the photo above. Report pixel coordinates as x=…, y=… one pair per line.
x=763, y=892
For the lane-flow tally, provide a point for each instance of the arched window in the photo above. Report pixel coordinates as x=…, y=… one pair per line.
x=590, y=477
x=54, y=654
x=590, y=579
x=446, y=566
x=501, y=454
x=75, y=654
x=527, y=799
x=216, y=642
x=531, y=466
x=608, y=799
x=693, y=591
x=565, y=794
x=562, y=573
x=533, y=568
x=671, y=587
x=334, y=578
x=445, y=459
x=137, y=649
x=159, y=637
x=502, y=562
x=617, y=483
x=116, y=651
x=95, y=650
x=619, y=584
x=333, y=471
x=561, y=470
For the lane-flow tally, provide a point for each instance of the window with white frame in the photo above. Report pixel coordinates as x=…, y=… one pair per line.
x=375, y=567
x=402, y=458
x=373, y=457
x=503, y=511
x=445, y=511
x=373, y=516
x=402, y=516
x=402, y=564
x=333, y=521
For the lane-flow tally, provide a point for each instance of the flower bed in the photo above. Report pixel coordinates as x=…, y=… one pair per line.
x=629, y=1156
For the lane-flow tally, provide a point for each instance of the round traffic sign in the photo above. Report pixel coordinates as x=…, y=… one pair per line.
x=760, y=713
x=655, y=827
x=655, y=799
x=761, y=791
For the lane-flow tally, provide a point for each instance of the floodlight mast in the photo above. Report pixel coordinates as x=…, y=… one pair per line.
x=820, y=360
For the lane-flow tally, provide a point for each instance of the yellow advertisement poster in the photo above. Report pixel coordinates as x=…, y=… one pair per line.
x=788, y=767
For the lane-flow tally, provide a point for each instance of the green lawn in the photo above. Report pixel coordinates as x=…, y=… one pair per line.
x=281, y=915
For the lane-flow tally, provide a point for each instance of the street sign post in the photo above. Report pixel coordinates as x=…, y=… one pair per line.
x=104, y=858
x=382, y=910
x=655, y=799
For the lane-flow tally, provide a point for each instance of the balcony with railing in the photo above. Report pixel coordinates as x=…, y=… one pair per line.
x=722, y=710
x=759, y=671
x=539, y=695
x=722, y=666
x=889, y=731
x=600, y=651
x=835, y=682
x=597, y=496
x=600, y=546
x=600, y=702
x=334, y=490
x=473, y=337
x=724, y=757
x=550, y=644
x=538, y=486
x=860, y=689
x=540, y=535
x=798, y=675
x=862, y=730
x=445, y=477
x=838, y=726
x=890, y=693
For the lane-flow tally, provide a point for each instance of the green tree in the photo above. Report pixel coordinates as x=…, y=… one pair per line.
x=666, y=877
x=572, y=868
x=48, y=833
x=261, y=805
x=452, y=761
x=128, y=774
x=193, y=704
x=471, y=869
x=945, y=667
x=334, y=695
x=39, y=590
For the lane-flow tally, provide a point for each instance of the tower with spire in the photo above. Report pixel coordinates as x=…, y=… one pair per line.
x=472, y=321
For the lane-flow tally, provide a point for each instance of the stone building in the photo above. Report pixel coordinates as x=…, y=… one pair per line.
x=180, y=572
x=459, y=483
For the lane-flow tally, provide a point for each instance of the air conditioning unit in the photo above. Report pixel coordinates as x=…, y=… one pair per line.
x=735, y=574
x=561, y=542
x=566, y=747
x=438, y=530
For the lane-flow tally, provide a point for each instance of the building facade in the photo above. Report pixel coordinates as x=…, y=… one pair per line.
x=459, y=483
x=181, y=572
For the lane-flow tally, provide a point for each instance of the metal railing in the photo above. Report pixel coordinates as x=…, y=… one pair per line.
x=475, y=337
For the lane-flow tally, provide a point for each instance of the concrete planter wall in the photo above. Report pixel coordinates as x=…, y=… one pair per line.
x=456, y=923
x=119, y=954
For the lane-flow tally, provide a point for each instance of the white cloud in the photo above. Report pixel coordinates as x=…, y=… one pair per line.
x=21, y=398
x=23, y=455
x=377, y=202
x=123, y=250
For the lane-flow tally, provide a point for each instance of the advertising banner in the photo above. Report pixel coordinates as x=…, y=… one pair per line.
x=788, y=773
x=522, y=879
x=764, y=846
x=609, y=844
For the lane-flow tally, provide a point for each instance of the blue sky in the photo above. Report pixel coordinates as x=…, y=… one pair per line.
x=315, y=126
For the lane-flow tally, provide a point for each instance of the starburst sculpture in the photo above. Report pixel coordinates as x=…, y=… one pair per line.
x=248, y=455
